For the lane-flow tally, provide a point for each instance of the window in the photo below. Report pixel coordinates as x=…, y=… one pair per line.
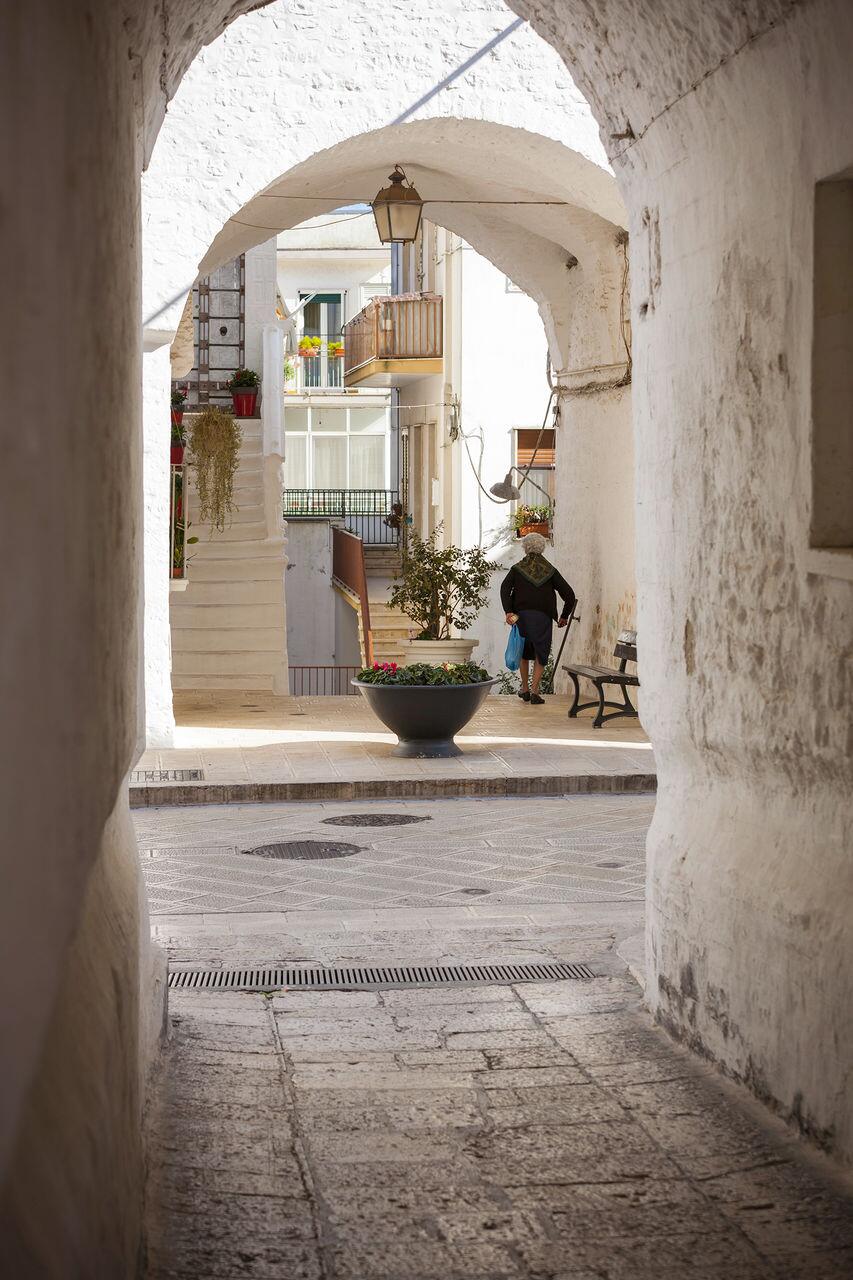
x=336, y=447
x=831, y=532
x=369, y=291
x=322, y=319
x=543, y=469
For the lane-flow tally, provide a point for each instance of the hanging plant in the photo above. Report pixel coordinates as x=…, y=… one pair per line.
x=214, y=453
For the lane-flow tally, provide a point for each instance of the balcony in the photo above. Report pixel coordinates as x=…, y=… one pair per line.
x=318, y=364
x=374, y=515
x=394, y=341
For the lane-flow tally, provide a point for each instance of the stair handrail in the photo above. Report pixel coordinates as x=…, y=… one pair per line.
x=349, y=569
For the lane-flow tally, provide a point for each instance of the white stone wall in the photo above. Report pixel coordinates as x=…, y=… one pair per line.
x=745, y=649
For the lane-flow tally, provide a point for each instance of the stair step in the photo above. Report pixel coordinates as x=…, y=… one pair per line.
x=246, y=569
x=251, y=531
x=235, y=591
x=187, y=616
x=243, y=513
x=235, y=640
x=248, y=684
x=224, y=549
x=260, y=663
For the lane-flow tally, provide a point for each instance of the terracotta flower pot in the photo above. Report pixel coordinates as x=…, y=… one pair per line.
x=245, y=399
x=541, y=527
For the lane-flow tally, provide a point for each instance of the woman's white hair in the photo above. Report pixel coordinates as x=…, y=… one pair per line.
x=533, y=543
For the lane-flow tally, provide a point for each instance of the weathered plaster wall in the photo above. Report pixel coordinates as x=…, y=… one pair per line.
x=70, y=944
x=746, y=652
x=309, y=594
x=159, y=721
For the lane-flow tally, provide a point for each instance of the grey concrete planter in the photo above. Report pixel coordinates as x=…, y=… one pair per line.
x=425, y=717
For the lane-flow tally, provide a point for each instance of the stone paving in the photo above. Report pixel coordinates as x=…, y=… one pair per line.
x=292, y=748
x=547, y=1130
x=511, y=851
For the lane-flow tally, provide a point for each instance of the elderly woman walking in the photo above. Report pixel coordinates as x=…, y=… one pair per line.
x=529, y=597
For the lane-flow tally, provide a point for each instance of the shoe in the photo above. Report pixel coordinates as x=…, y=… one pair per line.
x=535, y=700
x=525, y=697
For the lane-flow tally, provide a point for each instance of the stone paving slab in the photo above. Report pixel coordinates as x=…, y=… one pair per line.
x=367, y=1160
x=507, y=853
x=254, y=748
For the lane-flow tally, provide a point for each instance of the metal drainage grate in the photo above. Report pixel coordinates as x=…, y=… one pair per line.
x=166, y=775
x=275, y=978
x=303, y=850
x=375, y=820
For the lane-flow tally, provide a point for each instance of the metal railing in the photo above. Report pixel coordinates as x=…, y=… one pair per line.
x=395, y=328
x=323, y=370
x=322, y=682
x=374, y=515
x=349, y=570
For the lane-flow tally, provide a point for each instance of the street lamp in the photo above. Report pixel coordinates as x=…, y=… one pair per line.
x=397, y=210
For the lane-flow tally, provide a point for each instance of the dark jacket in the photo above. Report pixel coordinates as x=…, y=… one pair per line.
x=519, y=592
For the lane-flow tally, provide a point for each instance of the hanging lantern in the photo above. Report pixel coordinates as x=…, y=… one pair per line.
x=397, y=210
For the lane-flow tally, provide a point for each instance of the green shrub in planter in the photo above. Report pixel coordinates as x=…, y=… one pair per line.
x=424, y=673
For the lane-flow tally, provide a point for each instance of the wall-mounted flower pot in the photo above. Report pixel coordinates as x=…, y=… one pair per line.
x=541, y=527
x=245, y=399
x=425, y=718
x=309, y=355
x=176, y=454
x=177, y=417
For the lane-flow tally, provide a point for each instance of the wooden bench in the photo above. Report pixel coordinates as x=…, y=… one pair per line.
x=625, y=651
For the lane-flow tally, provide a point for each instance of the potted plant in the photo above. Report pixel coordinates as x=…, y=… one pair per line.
x=289, y=376
x=309, y=347
x=335, y=350
x=243, y=386
x=214, y=453
x=179, y=399
x=176, y=450
x=533, y=519
x=425, y=704
x=441, y=590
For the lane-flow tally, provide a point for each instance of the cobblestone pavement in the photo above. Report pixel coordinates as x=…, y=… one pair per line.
x=547, y=1131
x=511, y=851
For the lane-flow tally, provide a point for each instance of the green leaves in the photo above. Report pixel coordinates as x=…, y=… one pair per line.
x=421, y=673
x=443, y=588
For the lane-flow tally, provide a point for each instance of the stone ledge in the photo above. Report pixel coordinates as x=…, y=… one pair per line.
x=145, y=795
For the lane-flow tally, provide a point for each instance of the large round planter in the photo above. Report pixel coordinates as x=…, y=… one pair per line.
x=425, y=717
x=436, y=651
x=245, y=400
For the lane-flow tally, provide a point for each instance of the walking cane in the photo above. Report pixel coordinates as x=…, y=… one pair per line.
x=573, y=618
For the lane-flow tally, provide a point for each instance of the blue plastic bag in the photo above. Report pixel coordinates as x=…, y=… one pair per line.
x=514, y=648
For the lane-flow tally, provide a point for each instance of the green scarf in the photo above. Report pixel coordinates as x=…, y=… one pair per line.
x=536, y=569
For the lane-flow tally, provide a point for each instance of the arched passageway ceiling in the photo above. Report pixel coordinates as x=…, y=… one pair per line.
x=450, y=161
x=280, y=88
x=464, y=161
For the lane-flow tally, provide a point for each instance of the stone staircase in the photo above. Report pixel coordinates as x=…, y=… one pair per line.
x=388, y=626
x=228, y=627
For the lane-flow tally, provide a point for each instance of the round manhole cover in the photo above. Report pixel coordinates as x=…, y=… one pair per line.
x=610, y=864
x=374, y=820
x=474, y=893
x=300, y=850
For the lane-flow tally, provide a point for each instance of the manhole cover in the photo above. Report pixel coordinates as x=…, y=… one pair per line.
x=300, y=850
x=474, y=893
x=610, y=864
x=374, y=820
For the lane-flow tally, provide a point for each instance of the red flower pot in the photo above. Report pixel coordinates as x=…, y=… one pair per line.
x=245, y=399
x=177, y=417
x=176, y=455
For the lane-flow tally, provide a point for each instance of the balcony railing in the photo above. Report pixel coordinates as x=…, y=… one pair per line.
x=374, y=515
x=395, y=328
x=320, y=363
